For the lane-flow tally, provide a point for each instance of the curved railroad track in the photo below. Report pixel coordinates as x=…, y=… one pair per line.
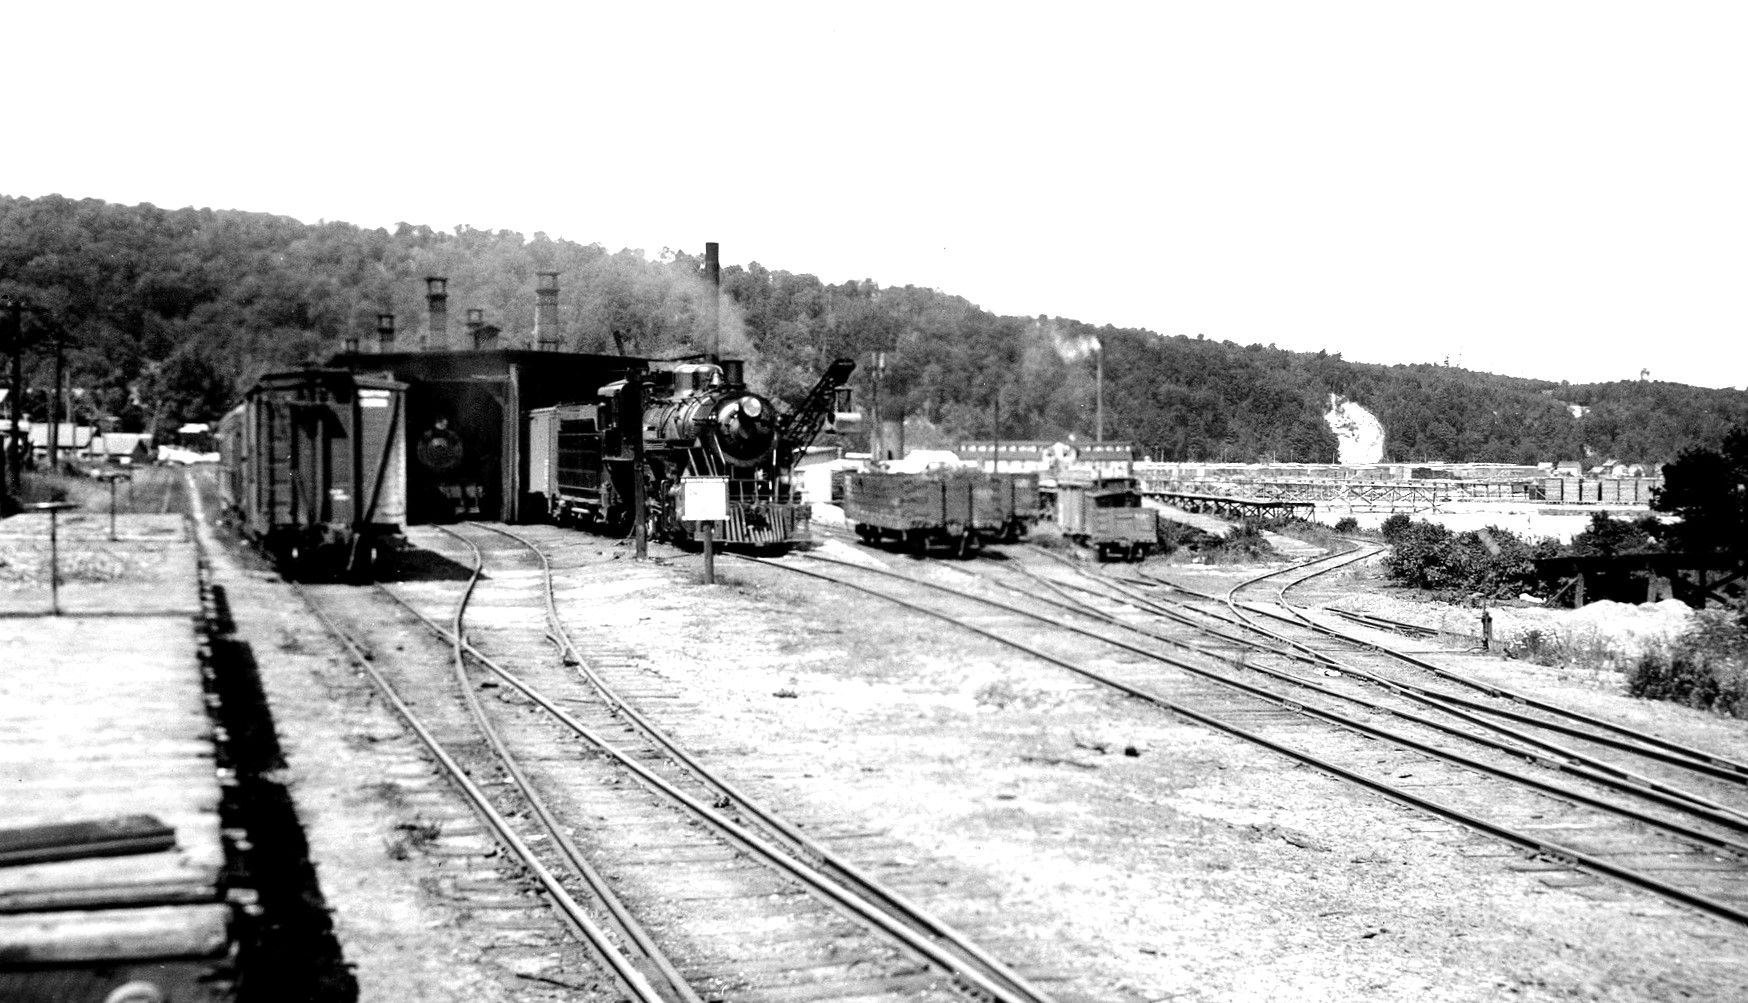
x=619, y=819
x=1685, y=838
x=1537, y=723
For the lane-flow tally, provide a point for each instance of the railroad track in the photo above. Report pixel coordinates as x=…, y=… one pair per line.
x=1685, y=839
x=680, y=884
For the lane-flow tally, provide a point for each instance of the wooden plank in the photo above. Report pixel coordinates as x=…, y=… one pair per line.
x=114, y=934
x=106, y=837
x=110, y=894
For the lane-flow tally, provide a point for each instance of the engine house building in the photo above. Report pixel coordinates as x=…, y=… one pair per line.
x=467, y=444
x=465, y=397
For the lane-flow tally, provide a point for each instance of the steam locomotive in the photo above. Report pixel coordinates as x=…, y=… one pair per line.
x=637, y=441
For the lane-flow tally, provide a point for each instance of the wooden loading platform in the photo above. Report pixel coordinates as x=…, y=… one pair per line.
x=112, y=856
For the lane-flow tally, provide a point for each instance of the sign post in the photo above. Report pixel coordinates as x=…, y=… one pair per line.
x=705, y=500
x=112, y=478
x=54, y=509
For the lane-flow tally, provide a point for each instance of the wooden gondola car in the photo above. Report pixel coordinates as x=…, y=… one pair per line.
x=960, y=510
x=313, y=469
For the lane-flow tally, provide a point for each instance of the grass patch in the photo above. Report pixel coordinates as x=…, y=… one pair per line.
x=1314, y=533
x=1590, y=649
x=144, y=494
x=26, y=562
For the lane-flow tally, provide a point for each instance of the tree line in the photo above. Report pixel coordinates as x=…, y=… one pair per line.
x=169, y=314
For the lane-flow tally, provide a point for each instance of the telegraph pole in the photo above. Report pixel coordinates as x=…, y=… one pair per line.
x=713, y=309
x=57, y=408
x=995, y=457
x=15, y=330
x=639, y=504
x=1099, y=383
x=874, y=435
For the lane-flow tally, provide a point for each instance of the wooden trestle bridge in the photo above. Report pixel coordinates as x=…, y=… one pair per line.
x=1231, y=507
x=1266, y=497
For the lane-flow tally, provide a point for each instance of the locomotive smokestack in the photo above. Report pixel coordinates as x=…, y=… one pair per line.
x=546, y=336
x=385, y=333
x=712, y=318
x=437, y=296
x=733, y=372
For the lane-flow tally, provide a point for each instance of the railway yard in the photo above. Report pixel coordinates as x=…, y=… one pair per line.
x=525, y=766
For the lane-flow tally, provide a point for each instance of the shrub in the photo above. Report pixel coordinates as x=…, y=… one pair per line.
x=1174, y=536
x=1245, y=544
x=1491, y=562
x=1706, y=667
x=1607, y=536
x=1395, y=526
x=1347, y=524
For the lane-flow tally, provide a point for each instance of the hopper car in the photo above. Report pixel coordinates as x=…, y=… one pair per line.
x=313, y=470
x=959, y=510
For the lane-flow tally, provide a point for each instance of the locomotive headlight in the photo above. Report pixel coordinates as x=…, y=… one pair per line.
x=752, y=407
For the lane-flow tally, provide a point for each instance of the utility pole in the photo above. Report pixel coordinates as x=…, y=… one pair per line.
x=15, y=331
x=1099, y=383
x=57, y=407
x=995, y=456
x=639, y=504
x=712, y=310
x=874, y=434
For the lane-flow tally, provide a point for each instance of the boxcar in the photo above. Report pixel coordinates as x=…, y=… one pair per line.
x=313, y=469
x=957, y=509
x=1107, y=515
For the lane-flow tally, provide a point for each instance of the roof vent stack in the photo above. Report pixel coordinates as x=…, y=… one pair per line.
x=476, y=319
x=437, y=296
x=546, y=336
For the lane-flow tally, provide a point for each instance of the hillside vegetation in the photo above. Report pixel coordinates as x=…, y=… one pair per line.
x=171, y=313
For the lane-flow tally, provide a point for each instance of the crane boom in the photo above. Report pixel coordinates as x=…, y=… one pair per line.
x=797, y=430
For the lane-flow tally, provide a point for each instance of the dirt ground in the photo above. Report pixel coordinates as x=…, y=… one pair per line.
x=1198, y=868
x=1201, y=868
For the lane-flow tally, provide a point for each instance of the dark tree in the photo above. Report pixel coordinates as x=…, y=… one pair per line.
x=1607, y=536
x=1708, y=489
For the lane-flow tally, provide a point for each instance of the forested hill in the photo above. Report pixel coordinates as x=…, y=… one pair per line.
x=170, y=313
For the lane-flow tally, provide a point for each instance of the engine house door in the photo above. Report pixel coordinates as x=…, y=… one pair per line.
x=455, y=435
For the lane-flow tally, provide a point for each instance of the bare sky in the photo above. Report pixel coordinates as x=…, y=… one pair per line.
x=1557, y=190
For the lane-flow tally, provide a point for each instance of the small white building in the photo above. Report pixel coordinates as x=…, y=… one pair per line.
x=813, y=472
x=129, y=448
x=71, y=441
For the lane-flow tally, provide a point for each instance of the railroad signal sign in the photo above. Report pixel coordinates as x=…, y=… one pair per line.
x=704, y=499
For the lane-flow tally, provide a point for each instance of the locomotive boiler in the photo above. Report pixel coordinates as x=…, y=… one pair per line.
x=652, y=430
